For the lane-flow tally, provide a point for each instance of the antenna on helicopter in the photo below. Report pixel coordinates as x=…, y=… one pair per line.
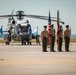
x=11, y=19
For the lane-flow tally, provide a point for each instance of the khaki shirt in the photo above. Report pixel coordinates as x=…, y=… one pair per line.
x=44, y=33
x=67, y=33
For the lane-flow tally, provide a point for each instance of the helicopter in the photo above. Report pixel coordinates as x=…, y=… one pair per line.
x=22, y=33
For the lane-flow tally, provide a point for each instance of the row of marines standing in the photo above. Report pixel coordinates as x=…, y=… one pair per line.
x=45, y=36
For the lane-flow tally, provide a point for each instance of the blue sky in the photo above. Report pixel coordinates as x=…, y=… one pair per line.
x=67, y=10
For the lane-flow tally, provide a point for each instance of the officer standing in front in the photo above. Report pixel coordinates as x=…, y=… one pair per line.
x=67, y=34
x=44, y=37
x=52, y=39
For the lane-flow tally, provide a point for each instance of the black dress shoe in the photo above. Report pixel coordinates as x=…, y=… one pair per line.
x=45, y=51
x=60, y=51
x=53, y=51
x=67, y=50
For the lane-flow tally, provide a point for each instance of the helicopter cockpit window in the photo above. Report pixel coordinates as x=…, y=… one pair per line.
x=24, y=29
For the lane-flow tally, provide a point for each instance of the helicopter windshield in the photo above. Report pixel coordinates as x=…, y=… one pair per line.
x=24, y=28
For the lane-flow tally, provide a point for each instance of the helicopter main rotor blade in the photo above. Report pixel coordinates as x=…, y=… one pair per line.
x=59, y=21
x=30, y=16
x=7, y=16
x=43, y=18
x=37, y=16
x=34, y=16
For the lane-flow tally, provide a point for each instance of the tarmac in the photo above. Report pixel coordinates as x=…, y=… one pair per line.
x=30, y=60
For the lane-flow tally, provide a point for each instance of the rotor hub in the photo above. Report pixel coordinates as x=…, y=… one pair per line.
x=20, y=15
